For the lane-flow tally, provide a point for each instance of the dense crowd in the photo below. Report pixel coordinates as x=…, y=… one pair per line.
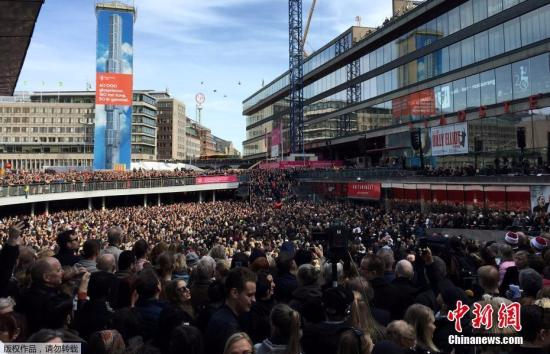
x=260, y=276
x=51, y=177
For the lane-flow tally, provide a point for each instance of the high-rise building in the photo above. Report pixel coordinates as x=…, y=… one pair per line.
x=171, y=128
x=480, y=67
x=144, y=127
x=57, y=129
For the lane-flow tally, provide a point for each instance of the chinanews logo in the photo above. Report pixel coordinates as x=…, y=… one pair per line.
x=508, y=317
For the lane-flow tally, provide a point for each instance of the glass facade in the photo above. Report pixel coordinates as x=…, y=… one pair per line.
x=509, y=82
x=465, y=15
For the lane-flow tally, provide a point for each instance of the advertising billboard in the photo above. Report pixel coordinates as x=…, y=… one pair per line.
x=114, y=77
x=449, y=139
x=364, y=190
x=217, y=179
x=417, y=105
x=275, y=142
x=540, y=199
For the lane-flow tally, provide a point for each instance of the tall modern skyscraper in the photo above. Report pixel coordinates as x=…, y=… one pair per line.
x=114, y=113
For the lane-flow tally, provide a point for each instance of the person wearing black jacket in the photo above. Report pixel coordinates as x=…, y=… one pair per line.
x=256, y=321
x=68, y=245
x=404, y=274
x=386, y=295
x=324, y=337
x=8, y=258
x=44, y=304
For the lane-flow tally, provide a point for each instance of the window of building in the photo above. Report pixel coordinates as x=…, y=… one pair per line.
x=496, y=41
x=467, y=51
x=503, y=77
x=481, y=41
x=442, y=23
x=459, y=94
x=444, y=55
x=521, y=79
x=540, y=74
x=466, y=14
x=512, y=34
x=494, y=7
x=444, y=98
x=487, y=86
x=506, y=4
x=480, y=10
x=454, y=20
x=455, y=56
x=473, y=95
x=531, y=29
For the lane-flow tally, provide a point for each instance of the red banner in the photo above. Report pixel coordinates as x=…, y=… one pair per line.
x=216, y=179
x=364, y=190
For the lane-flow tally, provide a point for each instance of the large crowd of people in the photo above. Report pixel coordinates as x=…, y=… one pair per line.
x=268, y=275
x=22, y=177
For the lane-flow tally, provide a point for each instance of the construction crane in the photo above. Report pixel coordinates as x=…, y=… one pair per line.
x=306, y=31
x=296, y=57
x=296, y=76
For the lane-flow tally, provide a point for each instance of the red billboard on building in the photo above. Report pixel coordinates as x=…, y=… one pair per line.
x=364, y=190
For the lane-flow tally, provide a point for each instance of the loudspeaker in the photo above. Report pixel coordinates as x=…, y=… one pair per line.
x=520, y=135
x=362, y=146
x=478, y=145
x=416, y=139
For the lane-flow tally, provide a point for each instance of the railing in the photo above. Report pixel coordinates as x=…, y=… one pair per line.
x=355, y=173
x=39, y=189
x=397, y=175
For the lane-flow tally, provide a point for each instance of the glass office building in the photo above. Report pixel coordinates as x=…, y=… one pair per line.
x=479, y=64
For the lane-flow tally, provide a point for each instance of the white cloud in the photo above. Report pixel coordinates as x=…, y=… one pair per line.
x=127, y=49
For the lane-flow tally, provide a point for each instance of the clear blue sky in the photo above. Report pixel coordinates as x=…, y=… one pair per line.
x=180, y=43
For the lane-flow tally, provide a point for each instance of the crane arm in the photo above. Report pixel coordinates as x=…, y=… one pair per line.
x=310, y=14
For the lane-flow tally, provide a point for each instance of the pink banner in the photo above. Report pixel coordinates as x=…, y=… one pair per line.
x=216, y=179
x=276, y=136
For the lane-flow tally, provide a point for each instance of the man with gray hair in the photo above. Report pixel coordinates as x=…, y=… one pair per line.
x=202, y=278
x=386, y=254
x=114, y=236
x=106, y=263
x=403, y=281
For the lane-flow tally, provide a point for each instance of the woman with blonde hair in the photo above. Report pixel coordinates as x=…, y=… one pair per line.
x=422, y=319
x=239, y=343
x=355, y=341
x=285, y=332
x=361, y=315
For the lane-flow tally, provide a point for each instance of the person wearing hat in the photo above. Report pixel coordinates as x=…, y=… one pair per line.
x=68, y=246
x=324, y=337
x=539, y=243
x=512, y=238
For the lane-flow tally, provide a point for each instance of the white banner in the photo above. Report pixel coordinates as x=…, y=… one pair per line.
x=275, y=151
x=449, y=139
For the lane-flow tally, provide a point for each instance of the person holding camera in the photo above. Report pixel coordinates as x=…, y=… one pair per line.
x=324, y=337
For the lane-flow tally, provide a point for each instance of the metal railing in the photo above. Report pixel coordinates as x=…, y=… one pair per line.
x=355, y=173
x=67, y=187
